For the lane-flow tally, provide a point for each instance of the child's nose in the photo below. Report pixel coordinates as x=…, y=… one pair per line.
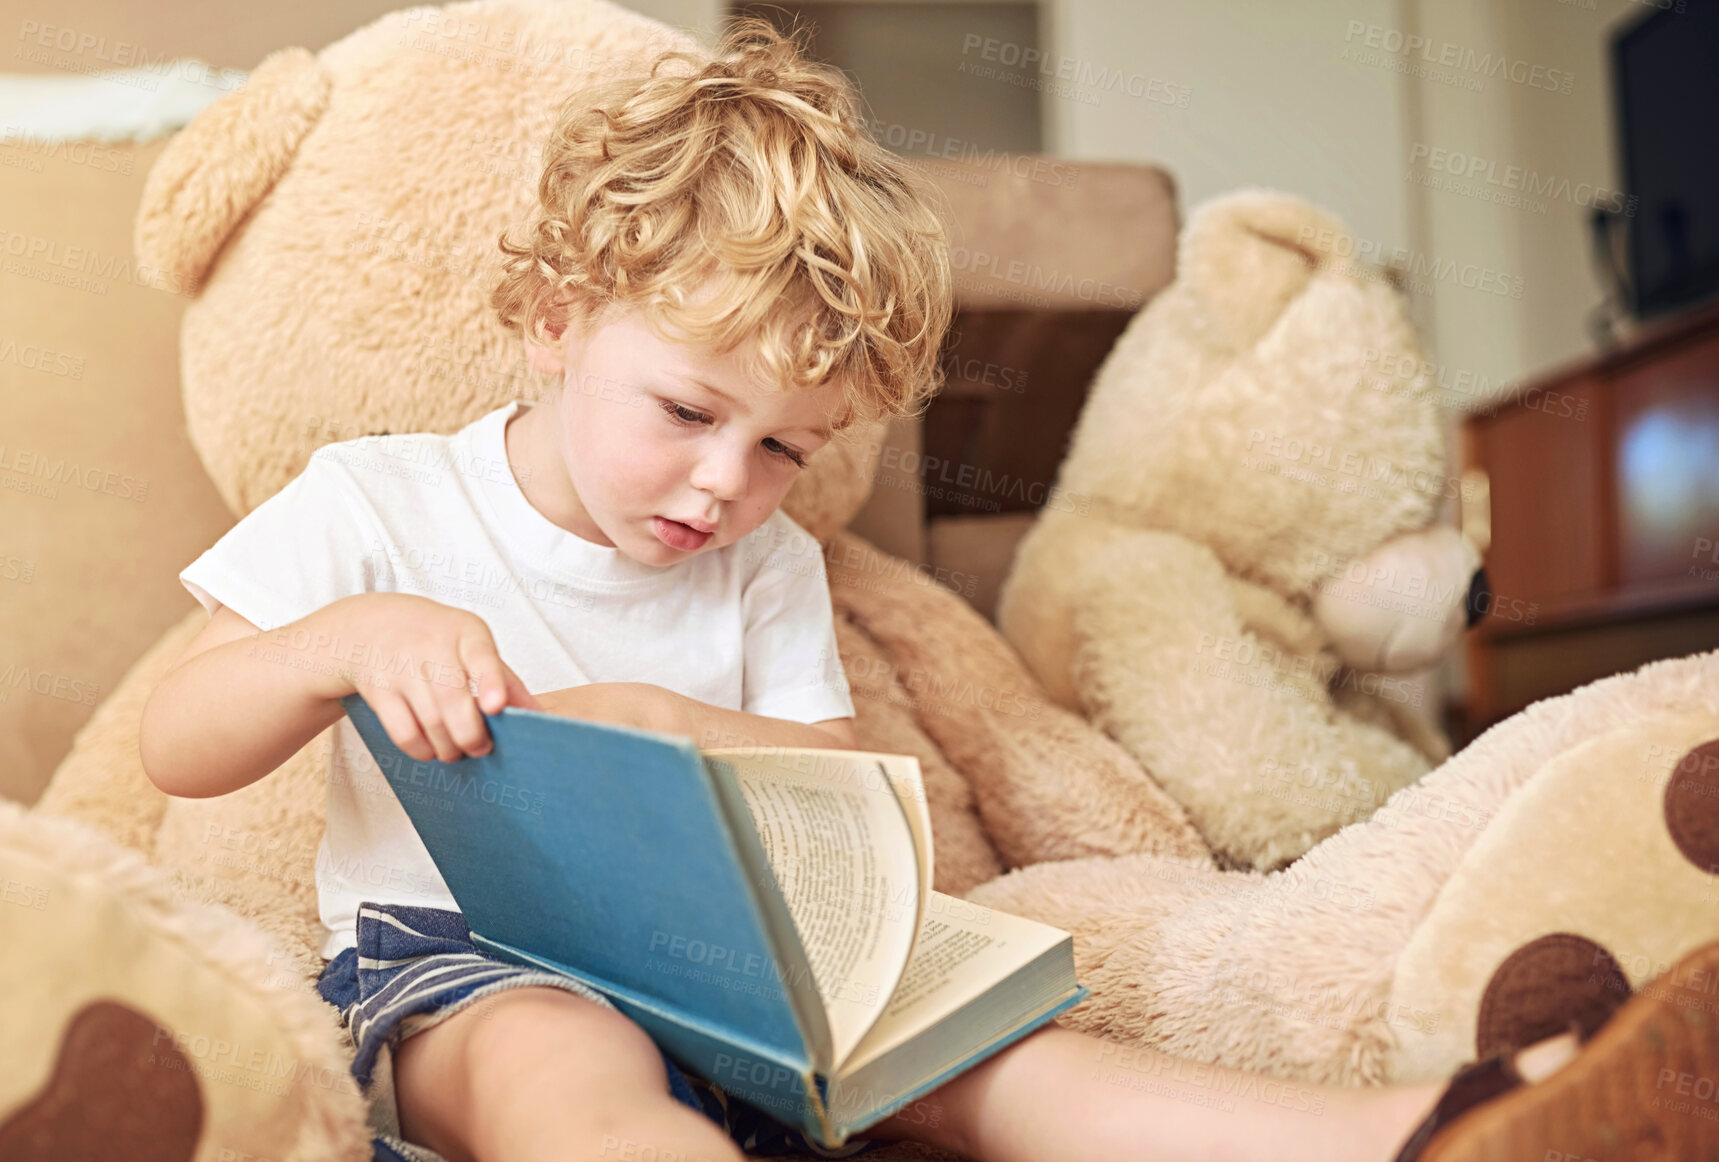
x=722, y=472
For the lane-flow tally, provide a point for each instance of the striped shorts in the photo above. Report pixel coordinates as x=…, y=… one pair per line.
x=415, y=967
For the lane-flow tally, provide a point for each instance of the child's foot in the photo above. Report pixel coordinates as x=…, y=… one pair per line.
x=1645, y=1085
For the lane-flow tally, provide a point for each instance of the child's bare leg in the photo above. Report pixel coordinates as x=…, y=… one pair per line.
x=543, y=1075
x=1057, y=1096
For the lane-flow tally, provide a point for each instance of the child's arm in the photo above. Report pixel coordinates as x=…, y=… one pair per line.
x=714, y=726
x=650, y=707
x=239, y=703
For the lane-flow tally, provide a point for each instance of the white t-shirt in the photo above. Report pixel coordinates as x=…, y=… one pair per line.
x=747, y=627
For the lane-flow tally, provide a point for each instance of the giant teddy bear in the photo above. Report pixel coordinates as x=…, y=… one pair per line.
x=338, y=216
x=335, y=214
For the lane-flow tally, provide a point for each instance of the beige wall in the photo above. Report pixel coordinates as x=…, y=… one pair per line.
x=1268, y=101
x=1274, y=100
x=1563, y=137
x=1469, y=332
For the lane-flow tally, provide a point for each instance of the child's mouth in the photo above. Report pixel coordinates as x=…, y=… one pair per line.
x=678, y=536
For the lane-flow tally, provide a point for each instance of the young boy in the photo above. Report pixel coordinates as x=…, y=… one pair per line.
x=724, y=273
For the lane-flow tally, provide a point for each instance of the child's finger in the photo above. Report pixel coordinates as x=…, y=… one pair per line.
x=463, y=720
x=517, y=694
x=496, y=685
x=485, y=672
x=429, y=715
x=396, y=717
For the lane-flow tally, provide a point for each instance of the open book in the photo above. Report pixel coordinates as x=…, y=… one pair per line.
x=765, y=914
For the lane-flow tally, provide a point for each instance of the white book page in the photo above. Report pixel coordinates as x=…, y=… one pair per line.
x=964, y=949
x=842, y=848
x=903, y=771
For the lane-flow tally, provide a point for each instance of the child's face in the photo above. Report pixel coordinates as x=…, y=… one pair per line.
x=648, y=453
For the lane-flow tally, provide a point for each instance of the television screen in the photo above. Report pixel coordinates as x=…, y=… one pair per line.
x=1666, y=80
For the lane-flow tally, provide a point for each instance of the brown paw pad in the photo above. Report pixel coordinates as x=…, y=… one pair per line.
x=1692, y=806
x=118, y=1090
x=1543, y=986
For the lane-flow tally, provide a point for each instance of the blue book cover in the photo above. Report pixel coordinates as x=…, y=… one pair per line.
x=765, y=914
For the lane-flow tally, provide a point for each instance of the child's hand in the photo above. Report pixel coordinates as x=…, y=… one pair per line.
x=439, y=673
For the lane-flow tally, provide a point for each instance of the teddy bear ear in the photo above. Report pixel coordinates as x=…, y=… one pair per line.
x=220, y=165
x=1247, y=254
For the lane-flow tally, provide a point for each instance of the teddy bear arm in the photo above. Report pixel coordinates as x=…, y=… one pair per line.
x=1229, y=722
x=1395, y=706
x=1268, y=614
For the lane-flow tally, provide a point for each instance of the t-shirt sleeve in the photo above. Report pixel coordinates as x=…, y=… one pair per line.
x=304, y=547
x=792, y=668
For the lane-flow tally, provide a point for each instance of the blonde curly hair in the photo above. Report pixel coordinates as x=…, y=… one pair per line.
x=754, y=168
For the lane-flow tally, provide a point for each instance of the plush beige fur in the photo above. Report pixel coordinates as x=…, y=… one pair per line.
x=336, y=213
x=1239, y=444
x=1551, y=861
x=86, y=921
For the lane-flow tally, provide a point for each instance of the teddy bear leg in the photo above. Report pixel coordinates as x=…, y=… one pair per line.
x=1577, y=830
x=139, y=1025
x=1590, y=882
x=110, y=1092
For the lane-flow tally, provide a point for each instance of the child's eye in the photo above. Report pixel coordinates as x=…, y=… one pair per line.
x=782, y=449
x=685, y=415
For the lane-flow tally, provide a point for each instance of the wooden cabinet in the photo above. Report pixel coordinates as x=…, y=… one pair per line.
x=1604, y=481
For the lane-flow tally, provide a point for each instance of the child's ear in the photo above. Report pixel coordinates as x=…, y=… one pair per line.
x=548, y=359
